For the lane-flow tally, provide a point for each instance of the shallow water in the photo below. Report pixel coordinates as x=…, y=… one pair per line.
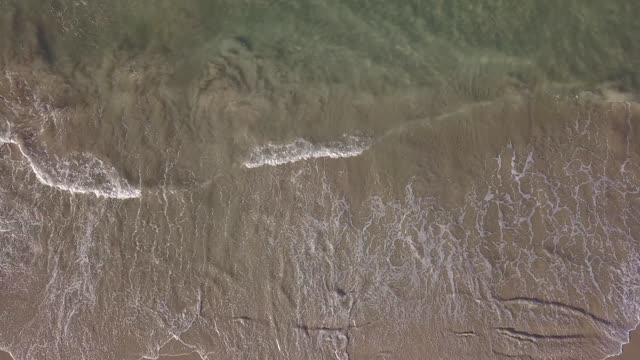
x=319, y=179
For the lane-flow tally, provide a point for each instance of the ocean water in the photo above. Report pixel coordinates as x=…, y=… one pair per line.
x=263, y=179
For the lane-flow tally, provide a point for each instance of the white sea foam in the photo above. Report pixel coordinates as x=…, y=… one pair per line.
x=5, y=138
x=85, y=174
x=278, y=154
x=82, y=174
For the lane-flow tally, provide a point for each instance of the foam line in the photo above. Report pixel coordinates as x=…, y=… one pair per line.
x=278, y=154
x=60, y=175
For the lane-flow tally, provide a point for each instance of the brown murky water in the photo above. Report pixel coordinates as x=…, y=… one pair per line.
x=631, y=350
x=322, y=180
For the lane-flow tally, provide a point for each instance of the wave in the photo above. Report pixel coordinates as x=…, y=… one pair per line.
x=278, y=154
x=81, y=173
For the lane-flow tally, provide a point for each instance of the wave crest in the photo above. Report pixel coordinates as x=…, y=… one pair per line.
x=81, y=173
x=279, y=154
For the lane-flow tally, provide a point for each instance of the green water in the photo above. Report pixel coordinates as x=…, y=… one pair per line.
x=374, y=43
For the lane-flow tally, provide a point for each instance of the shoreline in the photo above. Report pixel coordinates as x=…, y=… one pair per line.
x=631, y=350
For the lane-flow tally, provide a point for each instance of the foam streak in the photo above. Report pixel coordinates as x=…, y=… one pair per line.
x=93, y=177
x=300, y=149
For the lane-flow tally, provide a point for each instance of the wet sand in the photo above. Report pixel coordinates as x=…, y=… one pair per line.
x=193, y=356
x=630, y=351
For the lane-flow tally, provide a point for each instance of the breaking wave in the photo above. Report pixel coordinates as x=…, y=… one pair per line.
x=278, y=154
x=81, y=173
